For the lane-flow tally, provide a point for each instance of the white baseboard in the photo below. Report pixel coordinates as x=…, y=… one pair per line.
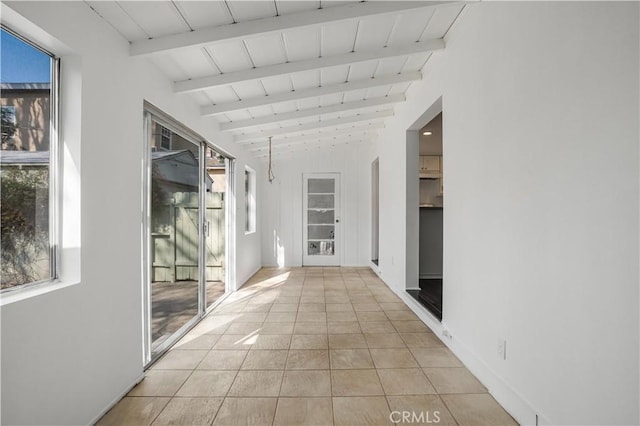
x=514, y=403
x=116, y=400
x=376, y=268
x=242, y=282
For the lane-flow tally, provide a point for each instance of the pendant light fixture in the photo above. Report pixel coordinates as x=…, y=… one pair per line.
x=270, y=174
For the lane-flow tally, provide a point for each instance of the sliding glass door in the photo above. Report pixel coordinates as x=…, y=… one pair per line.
x=186, y=250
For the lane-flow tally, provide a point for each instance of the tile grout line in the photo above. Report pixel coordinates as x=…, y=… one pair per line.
x=333, y=420
x=448, y=409
x=226, y=395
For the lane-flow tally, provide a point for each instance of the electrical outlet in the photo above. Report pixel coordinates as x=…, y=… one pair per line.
x=446, y=333
x=502, y=349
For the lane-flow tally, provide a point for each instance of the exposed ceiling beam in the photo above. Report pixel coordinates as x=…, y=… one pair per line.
x=365, y=134
x=203, y=83
x=319, y=134
x=309, y=147
x=347, y=106
x=258, y=27
x=311, y=93
x=314, y=146
x=313, y=125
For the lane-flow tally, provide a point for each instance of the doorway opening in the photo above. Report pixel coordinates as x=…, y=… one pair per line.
x=187, y=223
x=425, y=173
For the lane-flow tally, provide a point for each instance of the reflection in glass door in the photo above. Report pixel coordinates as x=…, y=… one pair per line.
x=321, y=219
x=174, y=233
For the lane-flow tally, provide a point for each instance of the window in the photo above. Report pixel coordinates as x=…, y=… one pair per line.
x=28, y=162
x=250, y=200
x=165, y=138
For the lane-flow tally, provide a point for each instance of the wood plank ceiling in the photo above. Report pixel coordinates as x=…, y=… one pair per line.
x=306, y=73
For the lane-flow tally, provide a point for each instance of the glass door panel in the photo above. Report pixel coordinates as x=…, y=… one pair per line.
x=174, y=233
x=321, y=219
x=215, y=225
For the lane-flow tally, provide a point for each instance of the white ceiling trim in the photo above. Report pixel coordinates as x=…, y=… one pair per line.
x=265, y=26
x=347, y=106
x=208, y=82
x=315, y=125
x=311, y=93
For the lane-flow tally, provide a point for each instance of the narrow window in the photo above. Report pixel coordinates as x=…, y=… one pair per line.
x=250, y=200
x=28, y=162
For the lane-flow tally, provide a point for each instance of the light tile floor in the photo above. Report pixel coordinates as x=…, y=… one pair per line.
x=309, y=346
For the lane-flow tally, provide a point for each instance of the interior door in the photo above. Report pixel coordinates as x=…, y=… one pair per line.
x=321, y=219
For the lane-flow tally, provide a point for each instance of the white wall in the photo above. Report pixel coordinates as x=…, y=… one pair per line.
x=541, y=213
x=281, y=212
x=69, y=353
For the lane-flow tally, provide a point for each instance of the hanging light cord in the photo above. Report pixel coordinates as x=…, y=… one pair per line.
x=270, y=172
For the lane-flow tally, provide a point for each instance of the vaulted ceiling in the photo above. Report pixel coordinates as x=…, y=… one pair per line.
x=306, y=73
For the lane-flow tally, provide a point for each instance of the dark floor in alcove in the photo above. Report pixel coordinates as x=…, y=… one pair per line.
x=430, y=295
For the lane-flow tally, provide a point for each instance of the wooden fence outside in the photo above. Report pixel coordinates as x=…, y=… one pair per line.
x=175, y=238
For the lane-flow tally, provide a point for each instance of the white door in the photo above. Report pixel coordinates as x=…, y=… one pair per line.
x=321, y=219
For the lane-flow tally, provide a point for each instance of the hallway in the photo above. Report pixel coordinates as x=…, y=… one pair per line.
x=309, y=346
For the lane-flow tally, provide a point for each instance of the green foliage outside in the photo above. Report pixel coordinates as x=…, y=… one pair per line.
x=24, y=232
x=8, y=124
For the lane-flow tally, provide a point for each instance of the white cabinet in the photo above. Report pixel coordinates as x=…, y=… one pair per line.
x=430, y=163
x=430, y=166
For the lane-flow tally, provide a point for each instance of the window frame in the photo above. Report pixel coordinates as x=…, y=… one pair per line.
x=250, y=201
x=55, y=192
